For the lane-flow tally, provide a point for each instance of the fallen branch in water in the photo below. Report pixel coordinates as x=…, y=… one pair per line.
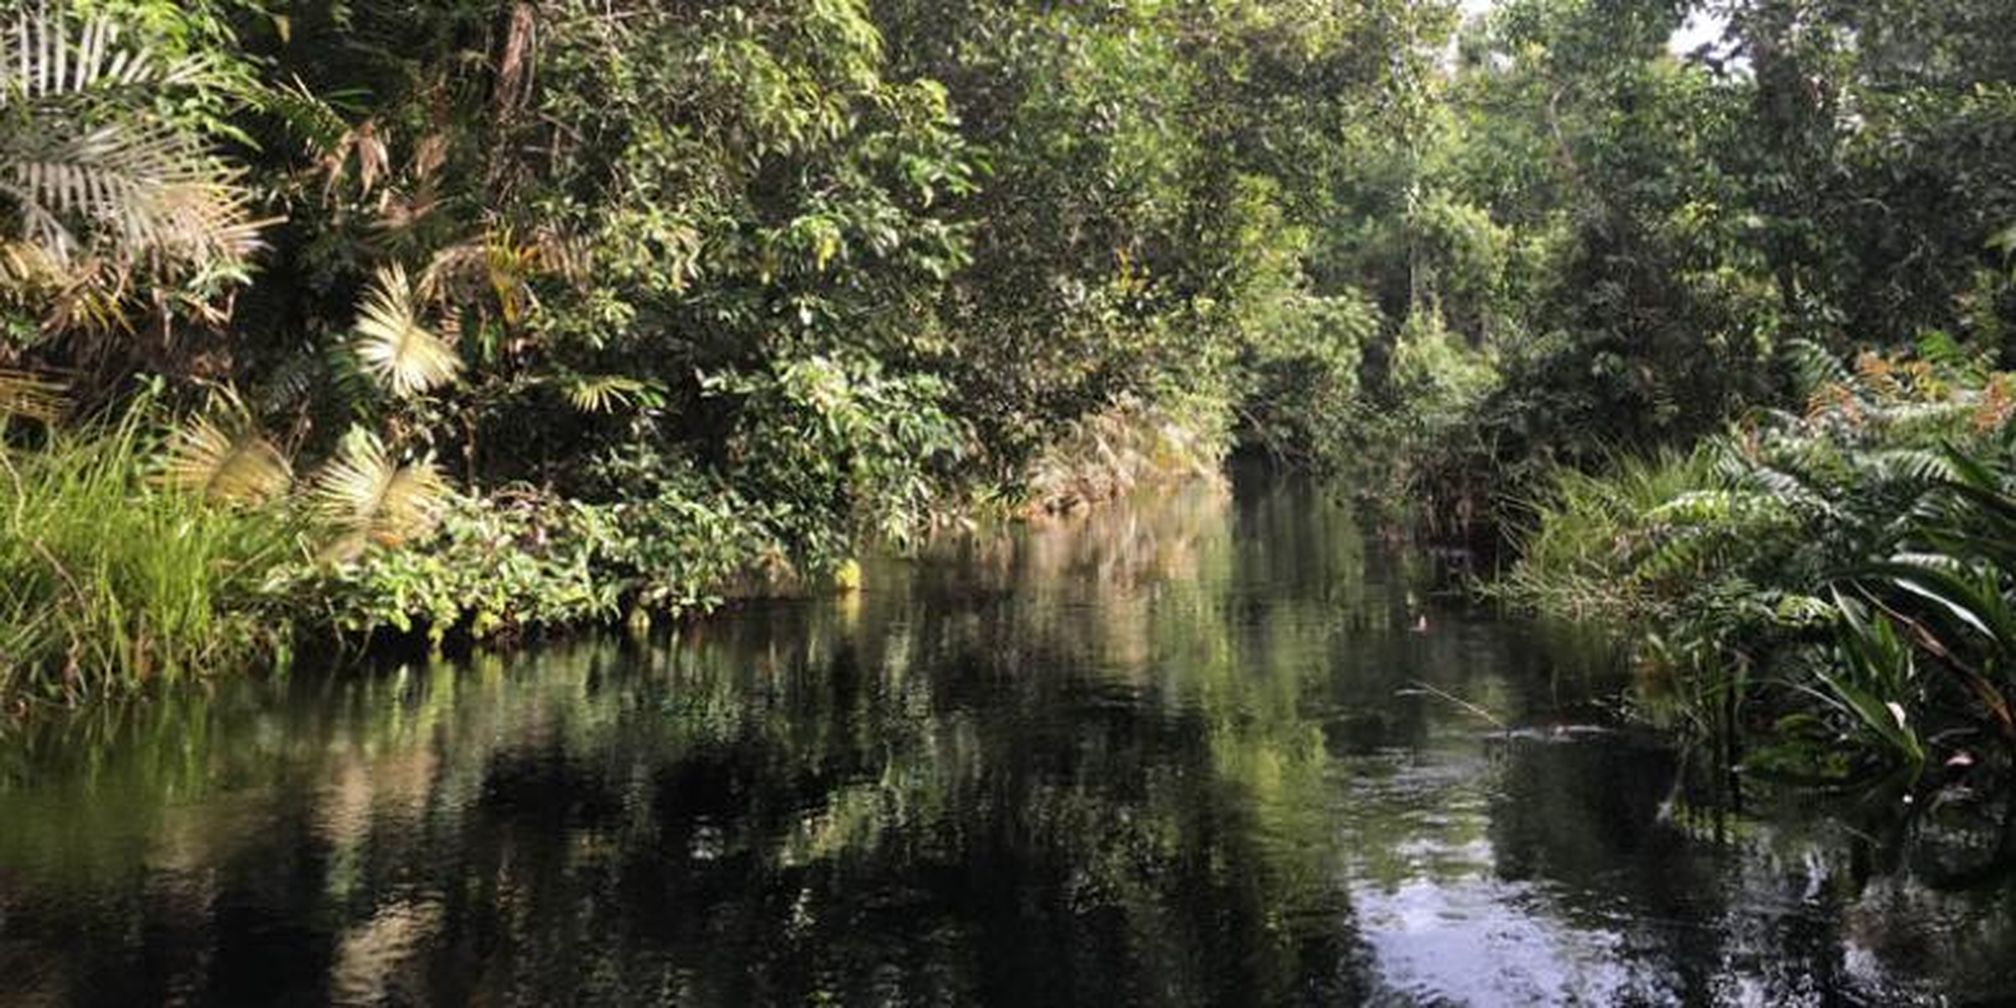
x=1458, y=701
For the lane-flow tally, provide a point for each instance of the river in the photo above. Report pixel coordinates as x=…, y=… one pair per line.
x=1216, y=746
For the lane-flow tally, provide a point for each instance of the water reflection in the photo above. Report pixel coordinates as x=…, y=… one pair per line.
x=1197, y=751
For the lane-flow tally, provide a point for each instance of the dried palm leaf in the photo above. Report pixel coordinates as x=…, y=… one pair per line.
x=85, y=164
x=492, y=263
x=393, y=347
x=222, y=454
x=368, y=498
x=32, y=396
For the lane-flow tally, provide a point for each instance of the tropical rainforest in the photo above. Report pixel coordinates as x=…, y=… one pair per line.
x=467, y=320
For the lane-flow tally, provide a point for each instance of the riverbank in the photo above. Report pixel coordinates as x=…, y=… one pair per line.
x=1825, y=595
x=156, y=551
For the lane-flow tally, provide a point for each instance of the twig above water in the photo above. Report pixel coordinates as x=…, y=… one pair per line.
x=1422, y=687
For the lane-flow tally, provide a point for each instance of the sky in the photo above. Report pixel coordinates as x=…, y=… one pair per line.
x=1701, y=27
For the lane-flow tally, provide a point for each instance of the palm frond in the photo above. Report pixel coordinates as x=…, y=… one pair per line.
x=567, y=256
x=374, y=159
x=393, y=346
x=456, y=271
x=315, y=119
x=604, y=393
x=48, y=61
x=32, y=396
x=86, y=171
x=369, y=498
x=497, y=264
x=222, y=454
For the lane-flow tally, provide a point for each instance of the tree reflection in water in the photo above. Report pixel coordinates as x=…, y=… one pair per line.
x=1166, y=754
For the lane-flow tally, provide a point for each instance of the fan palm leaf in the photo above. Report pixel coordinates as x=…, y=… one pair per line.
x=393, y=347
x=369, y=498
x=222, y=454
x=605, y=393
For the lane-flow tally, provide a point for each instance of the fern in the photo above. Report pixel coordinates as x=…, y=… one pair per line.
x=1814, y=366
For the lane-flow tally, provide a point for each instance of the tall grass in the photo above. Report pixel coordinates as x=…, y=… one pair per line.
x=108, y=583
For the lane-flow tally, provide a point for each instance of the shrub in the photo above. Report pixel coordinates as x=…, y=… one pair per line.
x=1724, y=564
x=1130, y=444
x=519, y=560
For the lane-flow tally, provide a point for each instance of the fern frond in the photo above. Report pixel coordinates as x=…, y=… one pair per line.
x=1784, y=489
x=1814, y=366
x=1910, y=466
x=1683, y=553
x=1697, y=507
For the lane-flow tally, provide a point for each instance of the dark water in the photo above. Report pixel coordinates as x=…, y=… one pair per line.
x=1180, y=753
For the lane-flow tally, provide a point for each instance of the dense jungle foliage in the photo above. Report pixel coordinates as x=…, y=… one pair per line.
x=469, y=318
